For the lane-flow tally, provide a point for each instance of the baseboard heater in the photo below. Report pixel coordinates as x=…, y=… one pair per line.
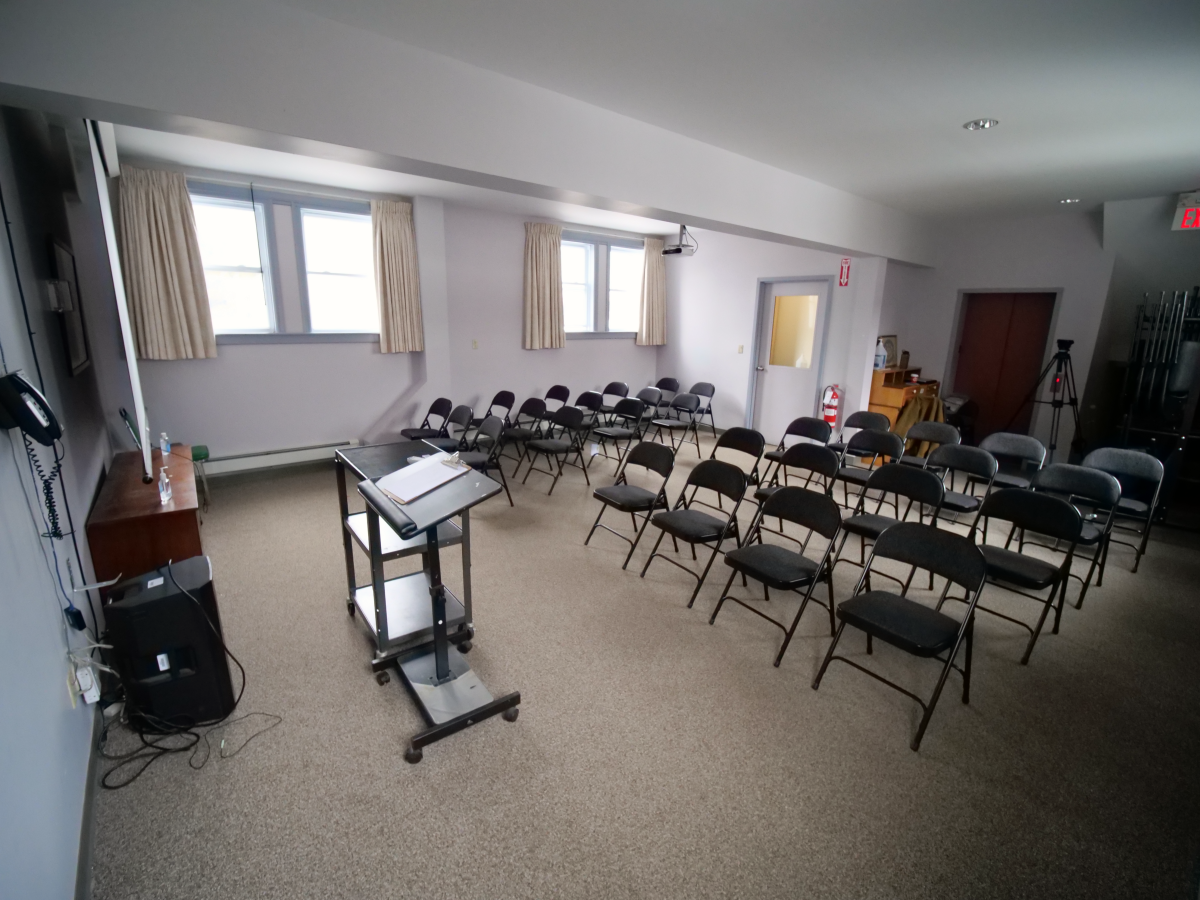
x=266, y=459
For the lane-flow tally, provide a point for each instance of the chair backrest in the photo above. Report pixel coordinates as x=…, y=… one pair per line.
x=870, y=442
x=870, y=420
x=960, y=458
x=940, y=433
x=589, y=400
x=1067, y=480
x=460, y=416
x=653, y=456
x=490, y=430
x=1124, y=463
x=705, y=390
x=668, y=384
x=688, y=403
x=918, y=485
x=440, y=407
x=812, y=458
x=559, y=392
x=534, y=408
x=569, y=417
x=720, y=476
x=503, y=400
x=1022, y=447
x=650, y=396
x=937, y=550
x=807, y=509
x=808, y=427
x=616, y=389
x=629, y=408
x=1040, y=513
x=744, y=440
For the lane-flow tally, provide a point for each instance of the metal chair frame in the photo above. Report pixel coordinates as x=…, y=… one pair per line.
x=863, y=420
x=667, y=386
x=1099, y=491
x=864, y=444
x=570, y=420
x=652, y=397
x=1138, y=467
x=941, y=434
x=807, y=427
x=705, y=391
x=979, y=466
x=634, y=458
x=1023, y=448
x=460, y=418
x=441, y=407
x=535, y=409
x=629, y=410
x=491, y=429
x=741, y=440
x=681, y=405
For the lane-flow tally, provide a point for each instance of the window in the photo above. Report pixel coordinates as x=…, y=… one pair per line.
x=793, y=330
x=339, y=262
x=232, y=248
x=602, y=284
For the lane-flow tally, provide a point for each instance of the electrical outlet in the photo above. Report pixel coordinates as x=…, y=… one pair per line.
x=85, y=680
x=474, y=344
x=740, y=348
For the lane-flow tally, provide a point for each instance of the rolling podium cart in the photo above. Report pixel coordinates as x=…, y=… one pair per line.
x=416, y=620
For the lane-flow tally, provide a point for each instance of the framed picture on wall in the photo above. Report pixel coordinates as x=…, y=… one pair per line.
x=70, y=311
x=890, y=344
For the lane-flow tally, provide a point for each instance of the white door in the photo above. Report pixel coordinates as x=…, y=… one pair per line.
x=790, y=342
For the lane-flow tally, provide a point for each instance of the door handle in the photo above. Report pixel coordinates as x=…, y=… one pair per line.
x=760, y=368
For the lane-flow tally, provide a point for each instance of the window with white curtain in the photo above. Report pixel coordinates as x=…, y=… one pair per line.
x=233, y=249
x=339, y=267
x=602, y=284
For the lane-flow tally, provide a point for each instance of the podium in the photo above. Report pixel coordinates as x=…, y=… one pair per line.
x=412, y=616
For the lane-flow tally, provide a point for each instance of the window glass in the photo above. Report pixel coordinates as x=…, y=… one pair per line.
x=339, y=262
x=578, y=277
x=624, y=288
x=231, y=249
x=793, y=330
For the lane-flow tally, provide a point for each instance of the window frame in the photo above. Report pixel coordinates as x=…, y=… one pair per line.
x=601, y=243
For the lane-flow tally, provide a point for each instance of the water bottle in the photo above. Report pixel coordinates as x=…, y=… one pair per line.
x=164, y=443
x=880, y=357
x=164, y=487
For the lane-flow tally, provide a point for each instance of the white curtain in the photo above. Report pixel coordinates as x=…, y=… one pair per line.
x=164, y=276
x=397, y=281
x=543, y=287
x=652, y=319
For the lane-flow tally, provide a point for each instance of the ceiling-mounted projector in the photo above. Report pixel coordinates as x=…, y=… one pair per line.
x=685, y=246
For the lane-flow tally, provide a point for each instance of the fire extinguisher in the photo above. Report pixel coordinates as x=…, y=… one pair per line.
x=829, y=404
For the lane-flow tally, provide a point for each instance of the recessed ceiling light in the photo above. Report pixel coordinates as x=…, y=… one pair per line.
x=980, y=124
x=1070, y=200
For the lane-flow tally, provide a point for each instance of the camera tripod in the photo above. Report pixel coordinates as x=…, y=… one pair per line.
x=1062, y=393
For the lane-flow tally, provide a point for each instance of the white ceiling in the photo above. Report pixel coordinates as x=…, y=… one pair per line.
x=204, y=155
x=1096, y=99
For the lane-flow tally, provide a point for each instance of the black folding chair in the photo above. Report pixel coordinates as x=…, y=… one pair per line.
x=626, y=417
x=808, y=460
x=781, y=568
x=694, y=527
x=874, y=446
x=911, y=626
x=486, y=459
x=977, y=465
x=590, y=402
x=705, y=392
x=617, y=390
x=1100, y=492
x=681, y=418
x=863, y=420
x=917, y=486
x=501, y=405
x=559, y=394
x=1139, y=473
x=1016, y=454
x=629, y=498
x=938, y=434
x=652, y=397
x=805, y=427
x=458, y=423
x=526, y=426
x=441, y=408
x=1020, y=573
x=746, y=441
x=569, y=421
x=668, y=387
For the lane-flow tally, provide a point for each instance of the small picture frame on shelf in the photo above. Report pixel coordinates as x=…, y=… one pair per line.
x=890, y=344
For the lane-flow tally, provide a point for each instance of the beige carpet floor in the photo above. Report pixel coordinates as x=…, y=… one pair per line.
x=656, y=756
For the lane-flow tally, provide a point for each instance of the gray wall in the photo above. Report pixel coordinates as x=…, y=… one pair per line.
x=44, y=744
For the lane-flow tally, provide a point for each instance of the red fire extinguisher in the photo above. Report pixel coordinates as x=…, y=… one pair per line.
x=829, y=404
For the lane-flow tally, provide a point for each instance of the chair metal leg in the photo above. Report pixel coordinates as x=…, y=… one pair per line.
x=1038, y=628
x=638, y=539
x=603, y=507
x=700, y=581
x=653, y=553
x=937, y=692
x=828, y=656
x=724, y=594
x=561, y=462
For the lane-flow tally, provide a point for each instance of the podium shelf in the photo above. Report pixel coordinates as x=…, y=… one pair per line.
x=409, y=613
x=392, y=546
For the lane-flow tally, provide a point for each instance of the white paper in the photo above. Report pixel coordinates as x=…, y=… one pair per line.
x=419, y=478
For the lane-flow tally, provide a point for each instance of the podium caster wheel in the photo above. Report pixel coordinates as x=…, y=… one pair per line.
x=350, y=610
x=465, y=647
x=413, y=755
x=383, y=677
x=510, y=714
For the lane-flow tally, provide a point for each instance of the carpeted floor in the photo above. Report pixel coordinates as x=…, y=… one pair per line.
x=656, y=756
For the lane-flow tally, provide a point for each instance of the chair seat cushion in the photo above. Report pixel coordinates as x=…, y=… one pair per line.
x=764, y=493
x=854, y=474
x=447, y=444
x=1125, y=506
x=520, y=433
x=953, y=501
x=615, y=432
x=901, y=622
x=1017, y=568
x=419, y=434
x=671, y=423
x=1003, y=480
x=691, y=525
x=837, y=447
x=1090, y=534
x=626, y=497
x=868, y=525
x=473, y=458
x=774, y=566
x=918, y=461
x=550, y=445
x=774, y=455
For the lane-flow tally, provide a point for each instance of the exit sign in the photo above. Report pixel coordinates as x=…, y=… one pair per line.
x=1187, y=213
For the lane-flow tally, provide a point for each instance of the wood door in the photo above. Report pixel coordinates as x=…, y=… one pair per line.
x=1000, y=352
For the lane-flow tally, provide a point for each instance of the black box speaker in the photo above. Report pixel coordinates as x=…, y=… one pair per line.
x=167, y=647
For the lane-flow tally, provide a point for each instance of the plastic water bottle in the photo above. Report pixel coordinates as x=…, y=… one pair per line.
x=164, y=443
x=164, y=487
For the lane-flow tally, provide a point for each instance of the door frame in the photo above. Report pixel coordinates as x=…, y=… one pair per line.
x=824, y=285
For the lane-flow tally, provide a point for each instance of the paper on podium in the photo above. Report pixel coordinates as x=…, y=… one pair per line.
x=419, y=478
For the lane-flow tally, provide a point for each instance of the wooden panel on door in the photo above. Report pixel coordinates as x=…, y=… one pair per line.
x=1024, y=349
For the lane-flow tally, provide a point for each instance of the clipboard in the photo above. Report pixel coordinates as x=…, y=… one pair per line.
x=420, y=478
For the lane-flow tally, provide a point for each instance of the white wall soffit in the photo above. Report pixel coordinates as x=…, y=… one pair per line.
x=274, y=77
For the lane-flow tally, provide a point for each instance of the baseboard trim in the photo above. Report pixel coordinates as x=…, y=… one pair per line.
x=267, y=459
x=87, y=828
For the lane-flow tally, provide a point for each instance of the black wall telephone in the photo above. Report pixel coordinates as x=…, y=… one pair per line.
x=23, y=406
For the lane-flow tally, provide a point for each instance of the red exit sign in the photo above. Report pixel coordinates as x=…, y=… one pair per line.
x=1187, y=213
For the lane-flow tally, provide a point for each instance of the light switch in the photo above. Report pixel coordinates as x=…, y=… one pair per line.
x=474, y=344
x=739, y=348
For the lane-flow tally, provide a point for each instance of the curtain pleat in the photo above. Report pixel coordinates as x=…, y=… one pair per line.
x=652, y=319
x=543, y=287
x=164, y=275
x=397, y=280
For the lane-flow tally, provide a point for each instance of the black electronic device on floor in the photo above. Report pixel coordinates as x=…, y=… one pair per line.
x=167, y=647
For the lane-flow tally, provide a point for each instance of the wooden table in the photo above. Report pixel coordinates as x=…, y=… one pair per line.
x=129, y=530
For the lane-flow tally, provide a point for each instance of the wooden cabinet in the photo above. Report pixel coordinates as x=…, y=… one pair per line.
x=891, y=389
